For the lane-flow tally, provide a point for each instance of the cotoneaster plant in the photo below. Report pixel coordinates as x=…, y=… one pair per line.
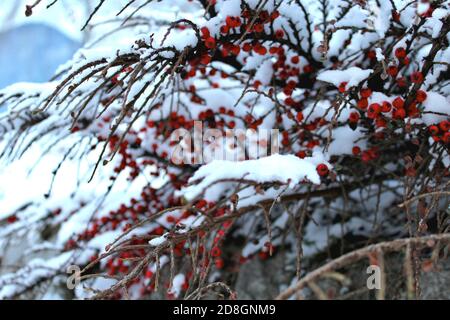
x=358, y=91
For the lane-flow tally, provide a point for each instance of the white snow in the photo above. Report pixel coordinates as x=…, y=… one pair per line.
x=286, y=169
x=177, y=284
x=435, y=103
x=353, y=76
x=158, y=240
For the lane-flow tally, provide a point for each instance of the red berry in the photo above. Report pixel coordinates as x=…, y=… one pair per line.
x=366, y=93
x=224, y=29
x=395, y=16
x=261, y=50
x=421, y=96
x=376, y=107
x=386, y=107
x=405, y=61
x=287, y=91
x=354, y=117
x=205, y=32
x=373, y=111
x=400, y=53
x=201, y=204
x=322, y=170
x=229, y=21
x=342, y=87
x=236, y=22
x=258, y=28
x=363, y=103
x=380, y=123
x=308, y=69
x=356, y=150
x=365, y=157
x=279, y=34
x=216, y=252
x=12, y=219
x=256, y=84
x=392, y=71
x=295, y=59
x=401, y=82
x=434, y=130
x=210, y=43
x=398, y=103
x=446, y=138
x=273, y=50
x=235, y=50
x=301, y=154
x=219, y=263
x=399, y=114
x=205, y=59
x=247, y=47
x=159, y=231
x=274, y=15
x=263, y=255
x=417, y=77
x=292, y=84
x=444, y=125
x=299, y=116
x=148, y=274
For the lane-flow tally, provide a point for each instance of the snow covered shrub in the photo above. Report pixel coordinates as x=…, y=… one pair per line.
x=358, y=91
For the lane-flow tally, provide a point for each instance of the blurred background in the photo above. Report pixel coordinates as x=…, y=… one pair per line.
x=32, y=48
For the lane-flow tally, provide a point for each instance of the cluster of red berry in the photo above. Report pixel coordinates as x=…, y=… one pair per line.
x=441, y=131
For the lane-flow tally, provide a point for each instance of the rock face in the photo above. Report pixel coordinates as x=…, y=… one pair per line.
x=32, y=53
x=262, y=280
x=436, y=284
